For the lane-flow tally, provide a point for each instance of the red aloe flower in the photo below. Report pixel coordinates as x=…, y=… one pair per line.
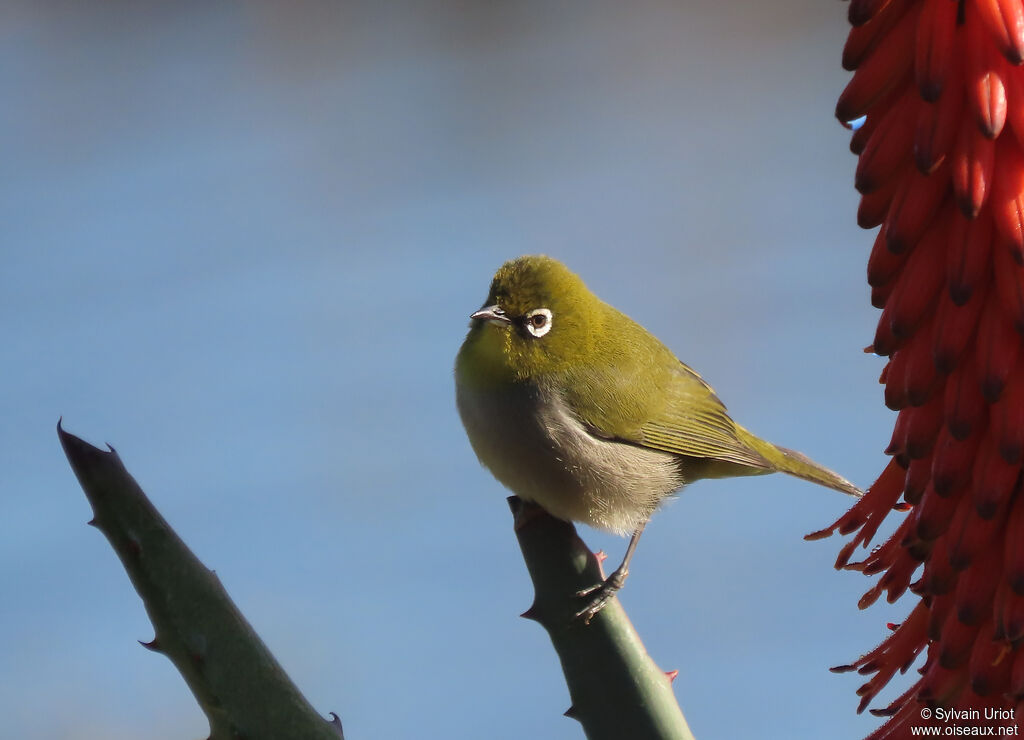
x=940, y=89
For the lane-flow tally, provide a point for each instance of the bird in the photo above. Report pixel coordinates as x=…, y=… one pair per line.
x=574, y=406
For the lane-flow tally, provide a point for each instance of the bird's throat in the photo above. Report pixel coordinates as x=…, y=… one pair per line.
x=483, y=360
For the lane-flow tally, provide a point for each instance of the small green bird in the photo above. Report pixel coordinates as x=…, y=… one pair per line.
x=576, y=407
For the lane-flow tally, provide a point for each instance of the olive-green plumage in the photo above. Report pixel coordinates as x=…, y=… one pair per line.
x=573, y=405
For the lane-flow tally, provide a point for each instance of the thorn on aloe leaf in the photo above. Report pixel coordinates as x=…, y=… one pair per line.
x=336, y=724
x=153, y=645
x=532, y=613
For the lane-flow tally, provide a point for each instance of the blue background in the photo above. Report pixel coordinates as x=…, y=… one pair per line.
x=241, y=243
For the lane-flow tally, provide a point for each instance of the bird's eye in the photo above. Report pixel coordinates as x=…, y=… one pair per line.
x=538, y=322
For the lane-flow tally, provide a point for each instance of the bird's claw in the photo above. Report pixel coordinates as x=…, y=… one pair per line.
x=599, y=595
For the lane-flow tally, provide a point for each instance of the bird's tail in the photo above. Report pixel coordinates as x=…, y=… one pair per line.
x=797, y=464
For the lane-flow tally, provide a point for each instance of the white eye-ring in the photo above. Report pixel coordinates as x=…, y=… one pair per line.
x=538, y=322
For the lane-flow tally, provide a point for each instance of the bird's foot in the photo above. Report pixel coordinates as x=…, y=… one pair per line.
x=600, y=594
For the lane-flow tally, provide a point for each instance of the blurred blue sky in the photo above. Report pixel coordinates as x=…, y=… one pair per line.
x=241, y=242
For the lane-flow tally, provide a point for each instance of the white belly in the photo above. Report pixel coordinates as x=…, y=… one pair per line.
x=535, y=445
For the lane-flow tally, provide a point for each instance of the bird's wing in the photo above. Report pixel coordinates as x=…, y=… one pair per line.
x=672, y=409
x=692, y=421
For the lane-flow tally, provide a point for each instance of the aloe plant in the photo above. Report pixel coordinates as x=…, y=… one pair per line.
x=239, y=685
x=617, y=690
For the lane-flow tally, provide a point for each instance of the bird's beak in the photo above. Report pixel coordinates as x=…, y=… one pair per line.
x=494, y=314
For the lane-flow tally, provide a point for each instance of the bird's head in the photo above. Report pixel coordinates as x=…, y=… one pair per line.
x=538, y=318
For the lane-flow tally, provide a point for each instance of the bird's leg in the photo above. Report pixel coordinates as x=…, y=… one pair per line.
x=601, y=593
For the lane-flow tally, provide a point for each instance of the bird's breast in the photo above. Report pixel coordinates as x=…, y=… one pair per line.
x=535, y=444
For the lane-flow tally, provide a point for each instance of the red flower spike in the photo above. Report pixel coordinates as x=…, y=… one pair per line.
x=1010, y=614
x=1013, y=552
x=976, y=589
x=862, y=11
x=901, y=705
x=1005, y=22
x=969, y=533
x=938, y=123
x=888, y=148
x=885, y=343
x=895, y=386
x=919, y=474
x=916, y=429
x=902, y=711
x=934, y=46
x=872, y=506
x=947, y=270
x=972, y=168
x=1002, y=591
x=940, y=685
x=883, y=70
x=997, y=347
x=985, y=90
x=932, y=519
x=888, y=553
x=869, y=598
x=1009, y=279
x=845, y=552
x=965, y=407
x=1017, y=677
x=1007, y=197
x=921, y=381
x=897, y=444
x=914, y=205
x=952, y=463
x=897, y=578
x=876, y=114
x=954, y=329
x=938, y=577
x=919, y=283
x=968, y=255
x=864, y=38
x=962, y=538
x=868, y=691
x=886, y=492
x=880, y=294
x=883, y=265
x=863, y=134
x=904, y=643
x=971, y=701
x=941, y=608
x=911, y=377
x=895, y=381
x=1007, y=418
x=1014, y=90
x=875, y=205
x=989, y=667
x=957, y=642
